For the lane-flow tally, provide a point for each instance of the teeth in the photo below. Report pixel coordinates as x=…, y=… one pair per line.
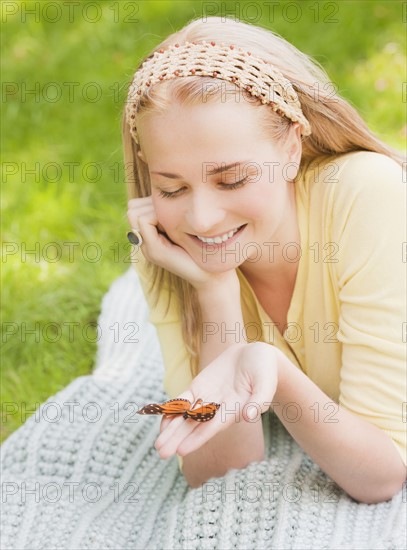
x=221, y=239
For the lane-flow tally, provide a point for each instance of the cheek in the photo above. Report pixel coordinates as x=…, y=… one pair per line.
x=256, y=201
x=252, y=210
x=166, y=213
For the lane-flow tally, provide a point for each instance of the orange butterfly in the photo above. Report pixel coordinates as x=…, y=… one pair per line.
x=184, y=407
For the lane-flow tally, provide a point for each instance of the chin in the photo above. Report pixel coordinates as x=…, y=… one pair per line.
x=214, y=266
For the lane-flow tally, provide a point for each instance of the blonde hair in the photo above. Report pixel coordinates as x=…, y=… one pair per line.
x=337, y=128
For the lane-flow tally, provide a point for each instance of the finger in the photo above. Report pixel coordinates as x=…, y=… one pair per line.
x=165, y=421
x=151, y=239
x=134, y=214
x=139, y=201
x=140, y=208
x=190, y=435
x=174, y=435
x=137, y=206
x=199, y=437
x=259, y=402
x=174, y=429
x=147, y=223
x=168, y=432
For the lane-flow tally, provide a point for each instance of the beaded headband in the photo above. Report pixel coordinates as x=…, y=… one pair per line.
x=224, y=62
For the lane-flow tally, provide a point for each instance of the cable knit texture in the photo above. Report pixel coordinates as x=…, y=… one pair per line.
x=83, y=473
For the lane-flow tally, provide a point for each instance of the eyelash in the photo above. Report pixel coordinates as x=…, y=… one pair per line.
x=235, y=185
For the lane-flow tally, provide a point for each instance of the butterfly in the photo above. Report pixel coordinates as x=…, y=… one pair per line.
x=184, y=407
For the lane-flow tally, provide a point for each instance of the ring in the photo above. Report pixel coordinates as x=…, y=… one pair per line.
x=134, y=236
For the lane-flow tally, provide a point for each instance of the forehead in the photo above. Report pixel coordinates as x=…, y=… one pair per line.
x=203, y=129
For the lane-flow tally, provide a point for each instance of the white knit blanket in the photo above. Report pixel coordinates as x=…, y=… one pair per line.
x=83, y=472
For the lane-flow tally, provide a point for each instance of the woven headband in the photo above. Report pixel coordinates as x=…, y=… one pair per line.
x=223, y=62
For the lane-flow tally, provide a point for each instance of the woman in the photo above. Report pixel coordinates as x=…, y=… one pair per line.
x=269, y=224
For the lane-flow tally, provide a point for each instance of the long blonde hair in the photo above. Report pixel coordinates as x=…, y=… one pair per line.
x=337, y=128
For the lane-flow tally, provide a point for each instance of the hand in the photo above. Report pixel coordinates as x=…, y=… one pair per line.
x=242, y=374
x=160, y=250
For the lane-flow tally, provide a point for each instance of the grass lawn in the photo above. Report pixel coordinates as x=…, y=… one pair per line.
x=63, y=193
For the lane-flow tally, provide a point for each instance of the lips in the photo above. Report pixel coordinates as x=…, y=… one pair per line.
x=219, y=238
x=218, y=245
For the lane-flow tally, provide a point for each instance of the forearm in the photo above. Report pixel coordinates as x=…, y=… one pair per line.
x=222, y=322
x=357, y=455
x=243, y=442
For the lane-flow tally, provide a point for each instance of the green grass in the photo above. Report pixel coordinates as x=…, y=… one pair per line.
x=363, y=52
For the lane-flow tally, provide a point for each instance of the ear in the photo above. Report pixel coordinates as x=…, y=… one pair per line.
x=293, y=150
x=294, y=144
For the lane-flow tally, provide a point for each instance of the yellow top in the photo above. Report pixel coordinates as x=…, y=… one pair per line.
x=346, y=325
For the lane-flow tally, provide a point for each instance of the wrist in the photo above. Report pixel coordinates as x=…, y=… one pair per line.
x=219, y=291
x=220, y=305
x=285, y=369
x=220, y=284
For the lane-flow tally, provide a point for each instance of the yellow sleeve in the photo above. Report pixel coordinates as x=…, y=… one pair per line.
x=369, y=226
x=177, y=376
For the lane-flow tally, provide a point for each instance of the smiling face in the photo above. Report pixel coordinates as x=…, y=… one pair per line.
x=196, y=198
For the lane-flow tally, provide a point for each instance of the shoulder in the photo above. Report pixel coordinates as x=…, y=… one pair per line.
x=341, y=177
x=357, y=166
x=364, y=178
x=360, y=187
x=370, y=194
x=334, y=185
x=366, y=168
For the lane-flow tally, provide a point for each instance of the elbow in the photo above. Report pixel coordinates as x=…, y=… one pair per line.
x=381, y=494
x=395, y=488
x=377, y=497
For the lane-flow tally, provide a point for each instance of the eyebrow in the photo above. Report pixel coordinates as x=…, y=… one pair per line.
x=211, y=172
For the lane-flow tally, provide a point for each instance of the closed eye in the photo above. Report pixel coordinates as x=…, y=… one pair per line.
x=176, y=193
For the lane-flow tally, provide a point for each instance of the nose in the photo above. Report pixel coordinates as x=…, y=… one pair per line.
x=206, y=212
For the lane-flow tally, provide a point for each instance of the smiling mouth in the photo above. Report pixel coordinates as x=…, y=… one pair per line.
x=221, y=238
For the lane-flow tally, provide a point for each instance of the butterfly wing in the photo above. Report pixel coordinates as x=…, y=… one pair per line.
x=182, y=406
x=173, y=406
x=202, y=413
